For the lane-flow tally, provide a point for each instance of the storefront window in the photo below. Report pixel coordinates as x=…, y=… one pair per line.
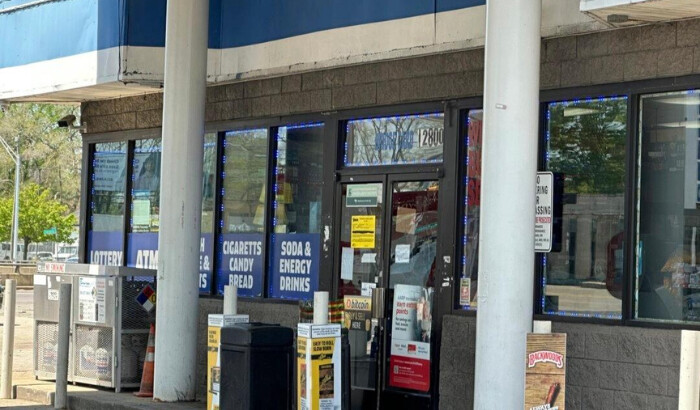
x=105, y=239
x=142, y=251
x=585, y=150
x=667, y=283
x=408, y=139
x=295, y=242
x=472, y=205
x=206, y=248
x=240, y=247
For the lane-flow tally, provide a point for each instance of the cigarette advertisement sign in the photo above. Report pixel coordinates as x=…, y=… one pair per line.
x=544, y=212
x=545, y=371
x=241, y=263
x=318, y=367
x=409, y=364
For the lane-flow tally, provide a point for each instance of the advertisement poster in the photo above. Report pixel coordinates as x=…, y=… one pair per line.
x=465, y=291
x=109, y=169
x=318, y=367
x=544, y=212
x=241, y=263
x=409, y=364
x=294, y=270
x=105, y=248
x=91, y=300
x=358, y=313
x=142, y=251
x=205, y=262
x=545, y=371
x=362, y=231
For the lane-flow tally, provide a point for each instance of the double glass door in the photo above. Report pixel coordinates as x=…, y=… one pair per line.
x=388, y=238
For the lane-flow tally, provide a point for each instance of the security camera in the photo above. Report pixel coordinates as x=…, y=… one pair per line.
x=67, y=121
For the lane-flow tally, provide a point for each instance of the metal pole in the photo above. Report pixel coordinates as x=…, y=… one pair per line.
x=15, y=212
x=186, y=36
x=8, y=339
x=230, y=300
x=509, y=167
x=64, y=300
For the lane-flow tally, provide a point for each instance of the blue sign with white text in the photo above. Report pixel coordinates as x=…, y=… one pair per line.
x=142, y=250
x=205, y=262
x=105, y=248
x=294, y=265
x=241, y=263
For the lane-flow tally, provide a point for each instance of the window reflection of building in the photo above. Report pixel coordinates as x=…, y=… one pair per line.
x=586, y=143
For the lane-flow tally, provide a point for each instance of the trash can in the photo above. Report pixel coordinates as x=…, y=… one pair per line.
x=256, y=366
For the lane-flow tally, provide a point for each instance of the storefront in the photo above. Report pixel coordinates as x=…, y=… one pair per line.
x=389, y=197
x=368, y=174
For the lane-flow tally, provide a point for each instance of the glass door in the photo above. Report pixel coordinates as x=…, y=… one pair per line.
x=411, y=253
x=389, y=224
x=361, y=269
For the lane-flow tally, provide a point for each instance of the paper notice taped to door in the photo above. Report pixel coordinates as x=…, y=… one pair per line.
x=346, y=262
x=362, y=231
x=402, y=253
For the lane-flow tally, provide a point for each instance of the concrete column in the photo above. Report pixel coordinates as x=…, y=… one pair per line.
x=186, y=36
x=509, y=167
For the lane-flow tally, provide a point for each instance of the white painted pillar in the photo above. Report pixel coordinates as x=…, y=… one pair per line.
x=186, y=36
x=509, y=167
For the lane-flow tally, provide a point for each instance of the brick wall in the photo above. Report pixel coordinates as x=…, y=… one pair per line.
x=647, y=52
x=608, y=366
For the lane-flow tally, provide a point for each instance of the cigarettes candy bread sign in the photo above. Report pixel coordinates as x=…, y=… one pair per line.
x=545, y=371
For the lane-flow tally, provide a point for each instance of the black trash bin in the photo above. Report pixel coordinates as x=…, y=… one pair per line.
x=256, y=367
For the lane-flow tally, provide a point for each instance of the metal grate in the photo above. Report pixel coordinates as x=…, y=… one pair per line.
x=133, y=355
x=134, y=316
x=93, y=353
x=46, y=349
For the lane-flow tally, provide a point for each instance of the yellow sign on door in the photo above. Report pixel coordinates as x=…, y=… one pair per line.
x=362, y=231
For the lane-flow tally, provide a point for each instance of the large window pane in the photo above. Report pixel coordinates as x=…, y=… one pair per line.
x=243, y=212
x=142, y=249
x=295, y=243
x=206, y=247
x=585, y=142
x=472, y=205
x=407, y=139
x=105, y=239
x=668, y=280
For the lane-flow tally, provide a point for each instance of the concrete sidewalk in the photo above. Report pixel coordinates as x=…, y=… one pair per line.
x=40, y=395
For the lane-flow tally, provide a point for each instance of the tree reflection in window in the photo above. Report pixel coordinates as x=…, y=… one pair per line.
x=586, y=145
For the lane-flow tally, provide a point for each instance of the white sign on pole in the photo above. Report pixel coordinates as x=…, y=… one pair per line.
x=544, y=212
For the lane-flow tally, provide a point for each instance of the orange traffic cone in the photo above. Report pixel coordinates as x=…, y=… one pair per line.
x=146, y=389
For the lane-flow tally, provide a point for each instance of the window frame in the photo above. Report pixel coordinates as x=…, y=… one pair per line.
x=634, y=91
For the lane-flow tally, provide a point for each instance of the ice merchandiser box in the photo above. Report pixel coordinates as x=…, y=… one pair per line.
x=112, y=309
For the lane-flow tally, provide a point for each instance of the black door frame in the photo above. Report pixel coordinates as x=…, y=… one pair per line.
x=446, y=173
